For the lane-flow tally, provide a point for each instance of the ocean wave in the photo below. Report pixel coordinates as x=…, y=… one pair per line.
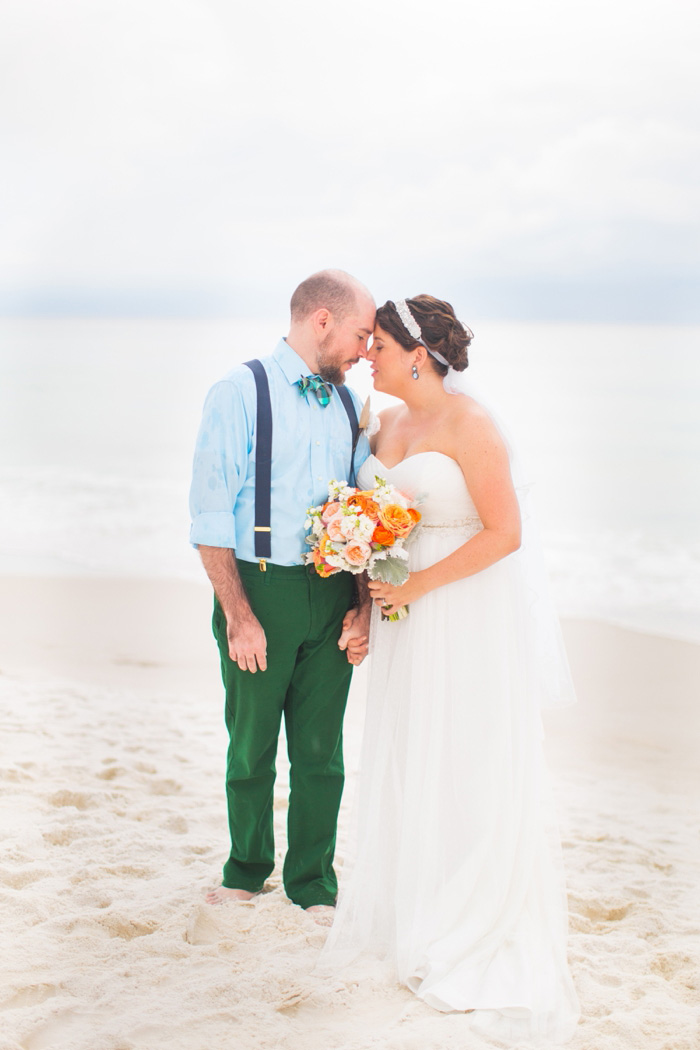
x=85, y=523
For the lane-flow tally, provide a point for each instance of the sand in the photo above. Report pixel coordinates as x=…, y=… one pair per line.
x=113, y=828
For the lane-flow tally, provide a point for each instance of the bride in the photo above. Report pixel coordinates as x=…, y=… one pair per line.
x=456, y=878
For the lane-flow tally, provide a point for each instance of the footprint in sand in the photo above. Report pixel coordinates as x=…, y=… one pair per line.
x=145, y=767
x=611, y=910
x=32, y=995
x=668, y=964
x=61, y=836
x=17, y=880
x=15, y=776
x=62, y=1030
x=127, y=929
x=165, y=787
x=209, y=925
x=78, y=799
x=681, y=973
x=177, y=824
x=111, y=772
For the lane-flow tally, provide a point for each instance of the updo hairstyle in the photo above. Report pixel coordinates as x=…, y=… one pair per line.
x=440, y=328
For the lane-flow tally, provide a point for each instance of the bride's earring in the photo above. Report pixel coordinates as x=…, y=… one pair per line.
x=414, y=372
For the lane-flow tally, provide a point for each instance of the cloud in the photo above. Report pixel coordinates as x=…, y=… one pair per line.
x=156, y=147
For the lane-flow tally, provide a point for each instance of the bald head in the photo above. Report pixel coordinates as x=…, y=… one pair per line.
x=332, y=290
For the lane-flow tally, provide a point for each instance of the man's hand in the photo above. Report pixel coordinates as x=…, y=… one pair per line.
x=354, y=638
x=247, y=644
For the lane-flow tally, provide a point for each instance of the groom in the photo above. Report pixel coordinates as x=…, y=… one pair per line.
x=287, y=638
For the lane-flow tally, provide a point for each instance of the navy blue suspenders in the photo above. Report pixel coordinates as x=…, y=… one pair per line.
x=263, y=456
x=346, y=398
x=263, y=463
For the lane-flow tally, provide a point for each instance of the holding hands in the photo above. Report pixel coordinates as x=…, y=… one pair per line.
x=354, y=638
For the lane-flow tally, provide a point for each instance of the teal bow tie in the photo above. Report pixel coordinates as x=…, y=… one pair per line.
x=322, y=389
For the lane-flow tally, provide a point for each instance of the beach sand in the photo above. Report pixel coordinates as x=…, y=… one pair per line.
x=113, y=828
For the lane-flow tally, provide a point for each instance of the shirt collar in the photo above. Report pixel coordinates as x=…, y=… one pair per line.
x=289, y=361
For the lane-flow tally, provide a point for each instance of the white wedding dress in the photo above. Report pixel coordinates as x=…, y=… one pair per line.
x=455, y=876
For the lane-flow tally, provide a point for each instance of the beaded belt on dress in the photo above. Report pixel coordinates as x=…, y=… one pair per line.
x=473, y=522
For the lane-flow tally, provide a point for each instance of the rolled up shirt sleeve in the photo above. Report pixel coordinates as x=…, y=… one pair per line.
x=220, y=461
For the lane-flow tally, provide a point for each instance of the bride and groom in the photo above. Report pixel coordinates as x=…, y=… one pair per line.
x=455, y=877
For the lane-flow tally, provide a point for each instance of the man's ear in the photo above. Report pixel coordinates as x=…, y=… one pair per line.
x=321, y=321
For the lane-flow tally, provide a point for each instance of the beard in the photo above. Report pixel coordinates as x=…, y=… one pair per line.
x=329, y=367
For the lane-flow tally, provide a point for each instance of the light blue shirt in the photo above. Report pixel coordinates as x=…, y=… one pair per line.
x=311, y=446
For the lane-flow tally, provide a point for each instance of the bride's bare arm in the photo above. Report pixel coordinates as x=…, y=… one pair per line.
x=482, y=455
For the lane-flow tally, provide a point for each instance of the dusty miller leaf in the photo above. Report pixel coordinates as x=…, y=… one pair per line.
x=390, y=570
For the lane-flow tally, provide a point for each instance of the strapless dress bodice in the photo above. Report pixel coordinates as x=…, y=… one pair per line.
x=435, y=481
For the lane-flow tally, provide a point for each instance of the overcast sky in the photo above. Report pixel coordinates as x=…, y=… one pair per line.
x=526, y=160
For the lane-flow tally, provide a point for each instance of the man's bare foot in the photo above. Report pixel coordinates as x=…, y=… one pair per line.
x=224, y=894
x=322, y=914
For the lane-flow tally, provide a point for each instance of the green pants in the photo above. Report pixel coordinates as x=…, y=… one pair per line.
x=307, y=680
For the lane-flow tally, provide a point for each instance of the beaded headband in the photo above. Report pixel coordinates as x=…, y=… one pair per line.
x=413, y=328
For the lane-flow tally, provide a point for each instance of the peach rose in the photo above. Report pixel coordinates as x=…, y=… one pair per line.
x=333, y=528
x=396, y=519
x=383, y=536
x=357, y=552
x=329, y=511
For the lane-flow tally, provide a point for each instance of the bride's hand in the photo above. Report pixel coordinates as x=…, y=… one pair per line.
x=392, y=598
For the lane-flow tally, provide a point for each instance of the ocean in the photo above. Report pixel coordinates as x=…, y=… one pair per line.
x=98, y=419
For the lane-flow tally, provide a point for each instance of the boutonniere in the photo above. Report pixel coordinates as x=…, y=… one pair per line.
x=369, y=423
x=364, y=416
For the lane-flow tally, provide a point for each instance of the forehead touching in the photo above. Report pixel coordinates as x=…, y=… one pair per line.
x=361, y=317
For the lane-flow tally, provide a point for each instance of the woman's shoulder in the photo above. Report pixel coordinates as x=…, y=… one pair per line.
x=384, y=421
x=466, y=411
x=387, y=414
x=472, y=425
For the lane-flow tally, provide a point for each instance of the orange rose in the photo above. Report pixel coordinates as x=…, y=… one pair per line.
x=383, y=536
x=324, y=545
x=396, y=519
x=414, y=514
x=361, y=502
x=322, y=568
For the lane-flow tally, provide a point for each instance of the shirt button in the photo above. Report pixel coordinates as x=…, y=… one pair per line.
x=318, y=442
x=320, y=478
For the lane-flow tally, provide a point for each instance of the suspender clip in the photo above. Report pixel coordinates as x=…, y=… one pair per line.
x=262, y=565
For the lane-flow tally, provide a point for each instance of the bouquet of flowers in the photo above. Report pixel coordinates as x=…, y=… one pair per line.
x=360, y=530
